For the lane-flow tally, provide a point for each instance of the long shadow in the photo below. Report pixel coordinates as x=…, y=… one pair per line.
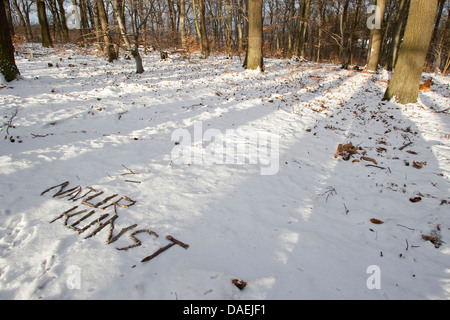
x=224, y=211
x=34, y=167
x=305, y=233
x=91, y=157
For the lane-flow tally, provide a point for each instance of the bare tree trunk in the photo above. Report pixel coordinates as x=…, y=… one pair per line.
x=22, y=21
x=197, y=25
x=183, y=24
x=134, y=50
x=205, y=41
x=57, y=27
x=9, y=17
x=343, y=29
x=322, y=7
x=240, y=31
x=372, y=64
x=43, y=22
x=172, y=22
x=353, y=32
x=254, y=58
x=400, y=20
x=227, y=25
x=65, y=29
x=108, y=45
x=405, y=81
x=230, y=29
x=303, y=25
x=8, y=65
x=26, y=8
x=436, y=40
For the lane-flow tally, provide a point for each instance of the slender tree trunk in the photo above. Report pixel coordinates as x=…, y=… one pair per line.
x=227, y=25
x=205, y=41
x=230, y=29
x=397, y=33
x=405, y=81
x=197, y=25
x=8, y=65
x=9, y=17
x=322, y=7
x=183, y=24
x=353, y=32
x=43, y=22
x=98, y=28
x=26, y=12
x=372, y=64
x=57, y=28
x=344, y=39
x=65, y=29
x=173, y=24
x=240, y=30
x=108, y=45
x=435, y=50
x=22, y=21
x=254, y=59
x=303, y=25
x=134, y=50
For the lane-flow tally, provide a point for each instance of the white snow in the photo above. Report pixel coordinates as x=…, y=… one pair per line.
x=302, y=232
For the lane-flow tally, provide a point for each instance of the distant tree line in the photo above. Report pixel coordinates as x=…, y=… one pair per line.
x=365, y=32
x=317, y=30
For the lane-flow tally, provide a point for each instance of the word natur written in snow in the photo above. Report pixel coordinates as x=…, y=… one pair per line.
x=98, y=223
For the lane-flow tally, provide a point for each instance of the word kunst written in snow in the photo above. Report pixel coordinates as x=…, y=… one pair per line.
x=99, y=223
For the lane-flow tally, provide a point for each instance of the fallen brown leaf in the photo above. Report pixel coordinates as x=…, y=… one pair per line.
x=376, y=221
x=419, y=165
x=433, y=239
x=426, y=86
x=239, y=283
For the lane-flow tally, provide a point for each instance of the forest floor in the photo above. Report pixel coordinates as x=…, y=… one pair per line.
x=282, y=211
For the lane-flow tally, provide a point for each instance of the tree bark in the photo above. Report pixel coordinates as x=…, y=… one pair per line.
x=353, y=32
x=254, y=59
x=65, y=29
x=322, y=8
x=397, y=33
x=26, y=8
x=406, y=78
x=205, y=41
x=108, y=45
x=183, y=24
x=372, y=64
x=9, y=16
x=197, y=25
x=240, y=31
x=303, y=25
x=8, y=65
x=22, y=21
x=173, y=22
x=435, y=50
x=134, y=50
x=43, y=22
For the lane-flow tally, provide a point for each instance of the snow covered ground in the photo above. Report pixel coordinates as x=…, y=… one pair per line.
x=290, y=219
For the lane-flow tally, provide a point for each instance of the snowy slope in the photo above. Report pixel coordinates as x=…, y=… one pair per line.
x=302, y=232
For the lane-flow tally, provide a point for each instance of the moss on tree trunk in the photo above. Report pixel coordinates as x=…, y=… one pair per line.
x=7, y=62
